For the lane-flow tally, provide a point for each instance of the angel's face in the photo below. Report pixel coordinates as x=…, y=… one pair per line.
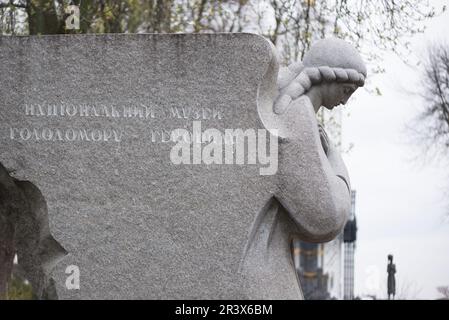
x=335, y=93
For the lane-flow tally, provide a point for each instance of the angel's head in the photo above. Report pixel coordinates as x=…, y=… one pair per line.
x=335, y=69
x=331, y=71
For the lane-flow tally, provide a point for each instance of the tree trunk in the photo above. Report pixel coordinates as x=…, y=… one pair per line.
x=43, y=18
x=163, y=16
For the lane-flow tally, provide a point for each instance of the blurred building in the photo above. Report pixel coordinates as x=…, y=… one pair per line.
x=349, y=240
x=326, y=271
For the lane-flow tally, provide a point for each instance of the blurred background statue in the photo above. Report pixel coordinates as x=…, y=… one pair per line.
x=391, y=269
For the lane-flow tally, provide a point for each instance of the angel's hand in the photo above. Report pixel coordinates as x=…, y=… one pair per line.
x=288, y=88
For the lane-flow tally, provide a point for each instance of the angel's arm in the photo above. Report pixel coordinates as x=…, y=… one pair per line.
x=313, y=186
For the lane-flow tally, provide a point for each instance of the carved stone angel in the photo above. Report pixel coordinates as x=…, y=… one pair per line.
x=313, y=198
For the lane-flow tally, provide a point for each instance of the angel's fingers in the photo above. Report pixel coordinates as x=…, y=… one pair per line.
x=288, y=74
x=285, y=77
x=296, y=67
x=294, y=90
x=281, y=104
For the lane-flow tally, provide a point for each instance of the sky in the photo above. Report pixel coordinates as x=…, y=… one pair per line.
x=401, y=206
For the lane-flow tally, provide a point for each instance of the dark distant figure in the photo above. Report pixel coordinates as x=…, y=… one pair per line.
x=391, y=269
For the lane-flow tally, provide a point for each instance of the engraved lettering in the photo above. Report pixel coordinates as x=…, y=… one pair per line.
x=12, y=133
x=40, y=109
x=95, y=112
x=52, y=110
x=107, y=134
x=149, y=112
x=166, y=135
x=185, y=112
x=36, y=135
x=138, y=112
x=83, y=135
x=29, y=110
x=117, y=137
x=47, y=134
x=70, y=135
x=141, y=112
x=58, y=135
x=153, y=135
x=25, y=134
x=114, y=112
x=216, y=114
x=84, y=111
x=175, y=113
x=127, y=112
x=62, y=110
x=206, y=113
x=71, y=110
x=105, y=111
x=196, y=114
x=96, y=135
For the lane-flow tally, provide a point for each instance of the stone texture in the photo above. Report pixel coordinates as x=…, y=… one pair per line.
x=135, y=224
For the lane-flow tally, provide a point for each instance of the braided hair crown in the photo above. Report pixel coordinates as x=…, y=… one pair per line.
x=335, y=54
x=328, y=60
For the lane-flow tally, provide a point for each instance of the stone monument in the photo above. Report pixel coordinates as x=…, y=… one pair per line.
x=121, y=186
